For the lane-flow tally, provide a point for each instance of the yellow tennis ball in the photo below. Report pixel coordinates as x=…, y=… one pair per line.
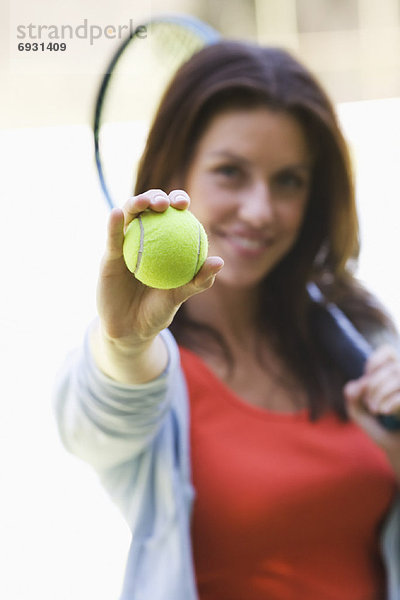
x=165, y=249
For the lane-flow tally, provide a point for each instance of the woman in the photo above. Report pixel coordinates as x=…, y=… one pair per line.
x=243, y=464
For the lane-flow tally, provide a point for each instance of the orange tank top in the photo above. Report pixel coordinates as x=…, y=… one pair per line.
x=285, y=508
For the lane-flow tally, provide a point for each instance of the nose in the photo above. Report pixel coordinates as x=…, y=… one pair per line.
x=256, y=207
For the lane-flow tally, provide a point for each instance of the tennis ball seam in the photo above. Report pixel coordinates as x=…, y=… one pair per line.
x=166, y=269
x=198, y=251
x=141, y=243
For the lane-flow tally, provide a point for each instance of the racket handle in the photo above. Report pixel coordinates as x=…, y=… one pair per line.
x=344, y=343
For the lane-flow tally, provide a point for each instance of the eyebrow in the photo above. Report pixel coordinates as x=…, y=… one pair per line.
x=228, y=154
x=232, y=156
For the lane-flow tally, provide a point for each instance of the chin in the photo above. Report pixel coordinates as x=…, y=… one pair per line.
x=240, y=280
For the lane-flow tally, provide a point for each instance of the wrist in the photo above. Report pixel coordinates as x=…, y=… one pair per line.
x=127, y=346
x=128, y=360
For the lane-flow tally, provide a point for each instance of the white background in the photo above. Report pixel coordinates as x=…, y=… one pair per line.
x=60, y=536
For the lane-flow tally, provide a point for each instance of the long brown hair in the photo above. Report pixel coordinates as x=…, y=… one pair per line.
x=232, y=74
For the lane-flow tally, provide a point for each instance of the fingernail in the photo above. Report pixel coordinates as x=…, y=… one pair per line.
x=218, y=261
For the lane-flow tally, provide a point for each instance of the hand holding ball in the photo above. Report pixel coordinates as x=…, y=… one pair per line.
x=165, y=249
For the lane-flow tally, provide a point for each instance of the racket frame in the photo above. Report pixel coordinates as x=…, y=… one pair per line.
x=202, y=30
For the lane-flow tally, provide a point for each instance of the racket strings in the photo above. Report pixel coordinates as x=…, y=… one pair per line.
x=172, y=45
x=134, y=82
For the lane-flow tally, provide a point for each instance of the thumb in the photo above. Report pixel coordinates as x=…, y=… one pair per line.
x=115, y=234
x=354, y=393
x=354, y=390
x=203, y=280
x=210, y=268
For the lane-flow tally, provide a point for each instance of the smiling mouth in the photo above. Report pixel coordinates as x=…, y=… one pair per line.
x=247, y=243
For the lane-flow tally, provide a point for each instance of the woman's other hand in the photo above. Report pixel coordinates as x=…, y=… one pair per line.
x=377, y=392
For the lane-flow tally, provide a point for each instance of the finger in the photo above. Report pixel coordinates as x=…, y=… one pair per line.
x=359, y=413
x=203, y=280
x=156, y=200
x=355, y=390
x=382, y=384
x=381, y=356
x=358, y=400
x=209, y=270
x=369, y=423
x=179, y=199
x=391, y=405
x=115, y=234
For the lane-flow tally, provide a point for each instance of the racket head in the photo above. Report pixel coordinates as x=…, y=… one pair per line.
x=130, y=90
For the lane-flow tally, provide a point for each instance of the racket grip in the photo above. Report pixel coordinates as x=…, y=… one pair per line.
x=389, y=422
x=344, y=343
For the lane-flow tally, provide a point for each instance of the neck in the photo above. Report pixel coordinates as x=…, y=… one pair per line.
x=231, y=312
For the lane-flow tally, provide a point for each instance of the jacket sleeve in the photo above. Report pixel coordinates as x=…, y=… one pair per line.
x=106, y=423
x=134, y=436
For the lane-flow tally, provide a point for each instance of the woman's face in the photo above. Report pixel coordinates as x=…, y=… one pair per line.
x=249, y=183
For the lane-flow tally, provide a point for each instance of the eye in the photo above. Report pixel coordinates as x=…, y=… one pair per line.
x=229, y=171
x=290, y=180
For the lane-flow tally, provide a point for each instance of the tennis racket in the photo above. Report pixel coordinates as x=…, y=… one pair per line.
x=343, y=342
x=129, y=93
